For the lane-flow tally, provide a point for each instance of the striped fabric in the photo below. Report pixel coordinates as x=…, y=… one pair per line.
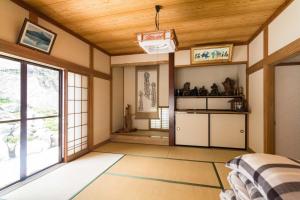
x=252, y=191
x=227, y=195
x=238, y=187
x=275, y=177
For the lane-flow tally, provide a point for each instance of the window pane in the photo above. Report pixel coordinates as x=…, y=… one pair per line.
x=77, y=93
x=84, y=106
x=84, y=94
x=77, y=119
x=42, y=142
x=71, y=93
x=9, y=153
x=77, y=80
x=163, y=121
x=42, y=92
x=9, y=90
x=71, y=79
x=71, y=122
x=71, y=105
x=84, y=80
x=77, y=106
x=84, y=118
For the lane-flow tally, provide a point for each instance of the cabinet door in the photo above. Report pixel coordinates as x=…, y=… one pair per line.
x=191, y=129
x=227, y=130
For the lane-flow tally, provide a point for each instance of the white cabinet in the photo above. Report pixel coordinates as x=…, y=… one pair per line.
x=227, y=130
x=191, y=129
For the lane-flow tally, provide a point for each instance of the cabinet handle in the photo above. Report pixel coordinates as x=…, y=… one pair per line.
x=178, y=128
x=242, y=131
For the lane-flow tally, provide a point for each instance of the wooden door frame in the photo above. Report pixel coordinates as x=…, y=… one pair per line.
x=269, y=64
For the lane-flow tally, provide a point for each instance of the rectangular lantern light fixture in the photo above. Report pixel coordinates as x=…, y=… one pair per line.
x=158, y=42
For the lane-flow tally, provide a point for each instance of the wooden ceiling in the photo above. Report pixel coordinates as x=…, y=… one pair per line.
x=112, y=24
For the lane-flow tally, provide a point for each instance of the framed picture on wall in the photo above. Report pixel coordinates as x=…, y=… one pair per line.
x=36, y=37
x=147, y=87
x=211, y=54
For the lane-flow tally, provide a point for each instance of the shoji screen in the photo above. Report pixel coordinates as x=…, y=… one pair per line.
x=77, y=113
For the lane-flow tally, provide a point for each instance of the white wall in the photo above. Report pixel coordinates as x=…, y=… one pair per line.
x=67, y=46
x=101, y=110
x=256, y=49
x=285, y=28
x=256, y=108
x=117, y=95
x=287, y=111
x=11, y=20
x=101, y=61
x=199, y=76
x=183, y=57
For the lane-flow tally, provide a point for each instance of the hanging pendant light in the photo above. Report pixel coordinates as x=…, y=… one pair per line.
x=158, y=41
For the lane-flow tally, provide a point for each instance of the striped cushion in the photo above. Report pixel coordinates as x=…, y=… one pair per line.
x=238, y=186
x=252, y=191
x=227, y=195
x=275, y=177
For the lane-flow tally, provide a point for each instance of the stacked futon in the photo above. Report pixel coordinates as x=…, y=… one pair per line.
x=263, y=176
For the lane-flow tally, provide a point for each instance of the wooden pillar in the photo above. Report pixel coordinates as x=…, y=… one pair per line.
x=91, y=102
x=269, y=100
x=171, y=100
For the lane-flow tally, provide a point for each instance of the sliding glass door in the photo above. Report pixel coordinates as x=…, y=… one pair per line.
x=30, y=119
x=43, y=88
x=10, y=118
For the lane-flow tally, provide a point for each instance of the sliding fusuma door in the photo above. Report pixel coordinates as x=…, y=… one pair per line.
x=30, y=119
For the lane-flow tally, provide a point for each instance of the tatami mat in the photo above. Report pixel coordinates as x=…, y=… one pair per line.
x=223, y=173
x=66, y=181
x=135, y=149
x=110, y=187
x=186, y=153
x=167, y=169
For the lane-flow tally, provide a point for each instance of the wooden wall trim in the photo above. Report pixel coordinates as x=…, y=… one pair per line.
x=140, y=63
x=286, y=52
x=270, y=19
x=212, y=64
x=255, y=67
x=268, y=99
x=20, y=51
x=65, y=113
x=171, y=99
x=91, y=101
x=111, y=98
x=269, y=109
x=288, y=64
x=33, y=17
x=54, y=22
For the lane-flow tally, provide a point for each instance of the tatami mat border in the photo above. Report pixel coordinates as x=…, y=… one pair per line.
x=218, y=176
x=163, y=180
x=180, y=159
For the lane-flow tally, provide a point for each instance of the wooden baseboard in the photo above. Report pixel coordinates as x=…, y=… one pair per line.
x=99, y=144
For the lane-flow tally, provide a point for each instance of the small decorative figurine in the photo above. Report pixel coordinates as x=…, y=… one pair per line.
x=127, y=121
x=203, y=91
x=194, y=92
x=186, y=89
x=214, y=90
x=228, y=87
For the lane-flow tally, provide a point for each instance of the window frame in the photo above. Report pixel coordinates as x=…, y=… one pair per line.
x=159, y=129
x=24, y=119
